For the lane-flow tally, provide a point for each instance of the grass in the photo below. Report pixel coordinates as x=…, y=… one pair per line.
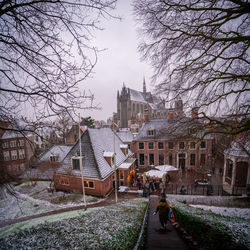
x=116, y=226
x=213, y=231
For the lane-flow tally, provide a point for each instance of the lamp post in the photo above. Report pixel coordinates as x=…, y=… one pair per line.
x=81, y=167
x=115, y=164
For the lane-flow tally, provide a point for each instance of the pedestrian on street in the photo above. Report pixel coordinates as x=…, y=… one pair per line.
x=163, y=209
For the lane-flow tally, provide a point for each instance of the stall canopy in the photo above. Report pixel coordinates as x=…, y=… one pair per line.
x=160, y=171
x=166, y=168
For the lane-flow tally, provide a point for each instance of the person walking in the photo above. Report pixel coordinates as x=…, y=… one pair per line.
x=163, y=209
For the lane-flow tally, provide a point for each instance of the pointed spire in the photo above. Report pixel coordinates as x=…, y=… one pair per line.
x=144, y=86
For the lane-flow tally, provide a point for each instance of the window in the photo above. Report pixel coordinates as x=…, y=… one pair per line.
x=160, y=145
x=133, y=107
x=54, y=158
x=229, y=168
x=14, y=155
x=12, y=144
x=5, y=144
x=76, y=163
x=151, y=159
x=161, y=159
x=181, y=145
x=171, y=145
x=64, y=181
x=192, y=145
x=203, y=144
x=89, y=184
x=21, y=153
x=192, y=159
x=141, y=145
x=121, y=174
x=141, y=159
x=150, y=145
x=203, y=159
x=36, y=138
x=21, y=143
x=170, y=159
x=6, y=155
x=151, y=132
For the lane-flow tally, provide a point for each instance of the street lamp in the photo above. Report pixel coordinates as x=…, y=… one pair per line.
x=115, y=163
x=81, y=167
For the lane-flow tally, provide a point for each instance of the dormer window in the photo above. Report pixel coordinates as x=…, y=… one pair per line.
x=124, y=149
x=151, y=132
x=109, y=157
x=54, y=158
x=75, y=163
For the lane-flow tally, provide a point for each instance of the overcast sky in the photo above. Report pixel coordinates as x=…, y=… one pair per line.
x=119, y=63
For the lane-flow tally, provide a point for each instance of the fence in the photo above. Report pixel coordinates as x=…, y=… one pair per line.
x=203, y=190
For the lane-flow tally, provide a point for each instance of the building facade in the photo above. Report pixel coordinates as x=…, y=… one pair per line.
x=169, y=142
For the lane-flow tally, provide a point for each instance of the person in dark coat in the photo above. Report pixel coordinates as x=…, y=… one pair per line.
x=163, y=209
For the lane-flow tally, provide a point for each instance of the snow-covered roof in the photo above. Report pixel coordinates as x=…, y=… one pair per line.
x=137, y=96
x=58, y=150
x=125, y=135
x=166, y=129
x=126, y=164
x=155, y=173
x=108, y=154
x=123, y=146
x=238, y=150
x=166, y=168
x=94, y=142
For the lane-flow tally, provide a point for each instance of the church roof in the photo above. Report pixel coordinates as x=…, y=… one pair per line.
x=137, y=96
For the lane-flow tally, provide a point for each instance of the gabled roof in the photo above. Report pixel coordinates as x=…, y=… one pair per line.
x=94, y=142
x=238, y=150
x=125, y=135
x=60, y=150
x=166, y=129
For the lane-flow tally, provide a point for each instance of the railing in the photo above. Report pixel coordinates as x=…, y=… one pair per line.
x=204, y=190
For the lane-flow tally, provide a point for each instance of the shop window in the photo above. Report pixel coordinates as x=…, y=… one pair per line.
x=64, y=181
x=192, y=159
x=161, y=159
x=171, y=145
x=150, y=145
x=141, y=145
x=151, y=159
x=192, y=145
x=141, y=159
x=181, y=145
x=160, y=145
x=203, y=144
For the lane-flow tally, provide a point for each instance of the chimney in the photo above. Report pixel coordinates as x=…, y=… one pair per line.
x=171, y=115
x=146, y=115
x=195, y=113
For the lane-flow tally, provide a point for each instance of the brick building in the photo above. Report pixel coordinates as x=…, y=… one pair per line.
x=98, y=161
x=17, y=150
x=171, y=142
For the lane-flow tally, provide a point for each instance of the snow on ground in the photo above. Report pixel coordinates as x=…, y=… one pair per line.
x=35, y=199
x=226, y=211
x=112, y=227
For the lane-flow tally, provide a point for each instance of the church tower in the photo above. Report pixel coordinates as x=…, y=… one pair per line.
x=144, y=87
